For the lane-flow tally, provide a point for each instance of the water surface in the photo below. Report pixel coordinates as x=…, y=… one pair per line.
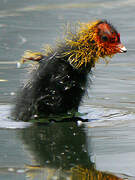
x=68, y=150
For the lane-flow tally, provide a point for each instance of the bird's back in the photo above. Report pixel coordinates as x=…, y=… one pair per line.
x=55, y=87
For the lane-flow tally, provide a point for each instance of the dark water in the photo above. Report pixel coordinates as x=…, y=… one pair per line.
x=68, y=150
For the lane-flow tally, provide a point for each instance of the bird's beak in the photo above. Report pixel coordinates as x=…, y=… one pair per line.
x=122, y=48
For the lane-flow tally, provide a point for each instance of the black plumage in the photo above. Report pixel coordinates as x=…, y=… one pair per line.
x=55, y=87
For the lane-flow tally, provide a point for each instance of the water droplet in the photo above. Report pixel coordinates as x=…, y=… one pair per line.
x=79, y=123
x=53, y=92
x=61, y=82
x=35, y=116
x=11, y=169
x=67, y=87
x=12, y=93
x=20, y=171
x=83, y=88
x=18, y=65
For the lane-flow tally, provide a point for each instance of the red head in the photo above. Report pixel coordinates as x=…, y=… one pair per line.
x=108, y=39
x=93, y=41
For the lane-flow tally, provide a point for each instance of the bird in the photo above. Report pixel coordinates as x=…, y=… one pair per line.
x=59, y=80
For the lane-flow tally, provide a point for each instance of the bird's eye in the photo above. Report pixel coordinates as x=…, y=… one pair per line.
x=104, y=38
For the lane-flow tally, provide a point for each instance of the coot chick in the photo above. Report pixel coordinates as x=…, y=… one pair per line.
x=59, y=80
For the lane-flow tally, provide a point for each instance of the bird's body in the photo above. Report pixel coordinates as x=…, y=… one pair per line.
x=59, y=81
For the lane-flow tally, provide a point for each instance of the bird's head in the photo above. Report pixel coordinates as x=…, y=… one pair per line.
x=107, y=39
x=94, y=40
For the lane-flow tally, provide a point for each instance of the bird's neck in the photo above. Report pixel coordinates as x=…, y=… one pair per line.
x=85, y=50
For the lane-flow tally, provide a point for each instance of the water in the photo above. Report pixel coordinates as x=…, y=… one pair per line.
x=65, y=150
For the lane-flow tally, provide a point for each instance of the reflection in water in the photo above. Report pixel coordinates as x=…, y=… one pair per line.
x=60, y=152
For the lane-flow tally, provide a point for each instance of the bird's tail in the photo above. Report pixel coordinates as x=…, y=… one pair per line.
x=31, y=56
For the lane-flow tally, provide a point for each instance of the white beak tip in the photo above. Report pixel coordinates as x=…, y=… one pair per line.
x=123, y=49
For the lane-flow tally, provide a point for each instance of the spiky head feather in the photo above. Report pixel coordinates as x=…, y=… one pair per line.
x=83, y=48
x=86, y=46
